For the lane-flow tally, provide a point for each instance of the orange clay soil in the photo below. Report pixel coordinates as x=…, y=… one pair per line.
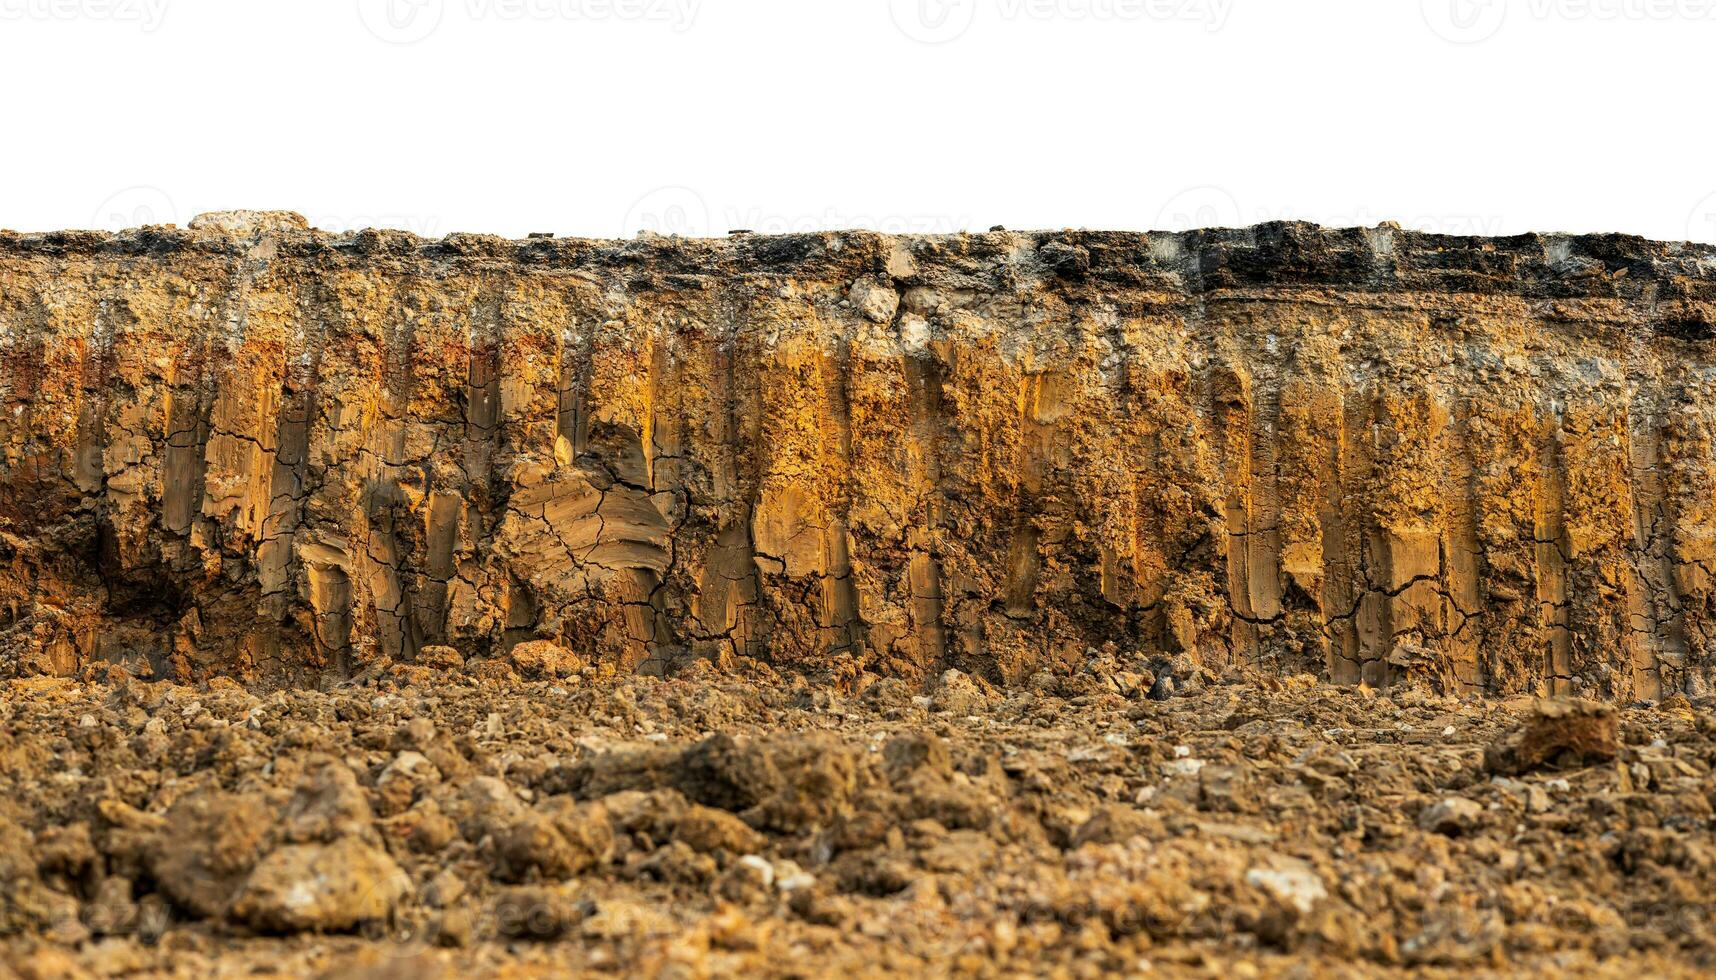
x=253, y=450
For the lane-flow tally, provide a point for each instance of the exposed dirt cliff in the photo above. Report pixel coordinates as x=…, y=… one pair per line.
x=248, y=448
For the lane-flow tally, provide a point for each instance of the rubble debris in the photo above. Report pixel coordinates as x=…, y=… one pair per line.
x=467, y=825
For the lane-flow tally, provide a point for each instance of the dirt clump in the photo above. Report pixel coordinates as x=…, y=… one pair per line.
x=1558, y=731
x=320, y=888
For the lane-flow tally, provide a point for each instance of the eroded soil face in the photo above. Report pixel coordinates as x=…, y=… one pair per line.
x=254, y=450
x=423, y=822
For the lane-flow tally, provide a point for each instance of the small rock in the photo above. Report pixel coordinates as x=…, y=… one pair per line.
x=723, y=773
x=789, y=877
x=327, y=804
x=1536, y=800
x=749, y=879
x=905, y=755
x=1183, y=767
x=444, y=889
x=764, y=870
x=1228, y=789
x=675, y=862
x=877, y=303
x=542, y=659
x=1292, y=883
x=557, y=844
x=707, y=829
x=1557, y=733
x=397, y=786
x=417, y=733
x=432, y=833
x=1453, y=816
x=1068, y=261
x=534, y=847
x=209, y=843
x=320, y=887
x=1163, y=689
x=440, y=658
x=1416, y=670
x=957, y=694
x=485, y=805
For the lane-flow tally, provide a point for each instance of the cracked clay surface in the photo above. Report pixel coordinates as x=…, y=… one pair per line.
x=253, y=450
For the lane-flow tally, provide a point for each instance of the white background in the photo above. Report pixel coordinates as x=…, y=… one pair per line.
x=604, y=117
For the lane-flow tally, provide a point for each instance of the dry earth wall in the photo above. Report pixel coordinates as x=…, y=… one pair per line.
x=253, y=449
